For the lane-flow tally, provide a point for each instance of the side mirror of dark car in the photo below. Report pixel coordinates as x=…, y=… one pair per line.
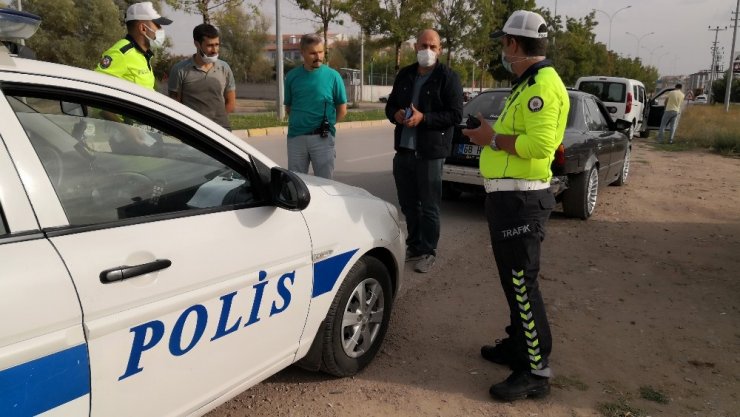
x=622, y=125
x=288, y=190
x=73, y=109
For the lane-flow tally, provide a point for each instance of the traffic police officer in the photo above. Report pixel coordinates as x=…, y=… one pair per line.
x=130, y=57
x=515, y=163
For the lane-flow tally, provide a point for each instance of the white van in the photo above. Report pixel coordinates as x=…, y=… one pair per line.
x=624, y=98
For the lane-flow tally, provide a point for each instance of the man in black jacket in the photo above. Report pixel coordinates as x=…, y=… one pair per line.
x=425, y=105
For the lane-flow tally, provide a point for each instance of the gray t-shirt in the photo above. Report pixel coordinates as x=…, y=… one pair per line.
x=203, y=91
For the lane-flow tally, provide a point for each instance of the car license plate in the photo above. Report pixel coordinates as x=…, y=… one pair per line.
x=468, y=150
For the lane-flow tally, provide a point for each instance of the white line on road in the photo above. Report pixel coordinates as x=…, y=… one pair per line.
x=370, y=157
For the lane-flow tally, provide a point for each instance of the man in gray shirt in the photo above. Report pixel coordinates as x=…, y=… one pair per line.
x=203, y=82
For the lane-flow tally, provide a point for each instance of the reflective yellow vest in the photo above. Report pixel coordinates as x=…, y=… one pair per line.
x=126, y=60
x=536, y=112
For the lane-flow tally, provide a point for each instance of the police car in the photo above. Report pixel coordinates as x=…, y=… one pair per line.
x=154, y=264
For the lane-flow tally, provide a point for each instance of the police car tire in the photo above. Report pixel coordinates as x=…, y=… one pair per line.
x=576, y=198
x=625, y=172
x=335, y=361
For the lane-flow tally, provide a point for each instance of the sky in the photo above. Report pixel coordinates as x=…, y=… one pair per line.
x=673, y=35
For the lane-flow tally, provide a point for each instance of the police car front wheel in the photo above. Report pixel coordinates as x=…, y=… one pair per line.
x=358, y=319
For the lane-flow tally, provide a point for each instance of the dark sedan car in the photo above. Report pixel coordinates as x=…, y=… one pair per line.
x=595, y=151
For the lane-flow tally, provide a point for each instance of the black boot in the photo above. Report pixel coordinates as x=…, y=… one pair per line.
x=502, y=353
x=520, y=385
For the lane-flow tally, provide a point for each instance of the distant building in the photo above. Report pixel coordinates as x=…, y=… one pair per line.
x=699, y=81
x=667, y=81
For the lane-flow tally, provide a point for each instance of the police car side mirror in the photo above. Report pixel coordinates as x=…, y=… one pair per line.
x=623, y=125
x=288, y=190
x=73, y=109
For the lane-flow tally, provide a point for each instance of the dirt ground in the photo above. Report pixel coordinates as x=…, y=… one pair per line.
x=642, y=300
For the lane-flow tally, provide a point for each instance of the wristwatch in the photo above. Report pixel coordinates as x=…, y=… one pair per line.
x=493, y=142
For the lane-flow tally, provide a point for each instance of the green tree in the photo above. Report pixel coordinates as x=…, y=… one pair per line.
x=202, y=7
x=326, y=11
x=454, y=20
x=478, y=44
x=74, y=32
x=243, y=36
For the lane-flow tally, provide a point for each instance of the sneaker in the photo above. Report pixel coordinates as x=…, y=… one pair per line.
x=410, y=257
x=520, y=385
x=425, y=264
x=502, y=353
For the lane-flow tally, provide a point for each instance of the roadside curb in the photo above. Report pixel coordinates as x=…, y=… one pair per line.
x=283, y=130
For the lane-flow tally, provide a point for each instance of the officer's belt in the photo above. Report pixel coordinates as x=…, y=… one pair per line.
x=510, y=184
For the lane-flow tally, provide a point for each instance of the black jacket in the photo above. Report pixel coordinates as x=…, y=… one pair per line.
x=441, y=101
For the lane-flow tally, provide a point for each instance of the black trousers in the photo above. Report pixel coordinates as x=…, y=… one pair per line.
x=516, y=221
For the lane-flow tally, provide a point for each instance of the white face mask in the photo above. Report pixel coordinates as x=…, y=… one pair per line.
x=159, y=37
x=426, y=57
x=209, y=59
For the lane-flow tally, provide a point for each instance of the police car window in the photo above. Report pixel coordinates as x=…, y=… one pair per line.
x=3, y=226
x=109, y=164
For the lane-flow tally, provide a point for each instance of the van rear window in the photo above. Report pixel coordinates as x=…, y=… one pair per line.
x=605, y=91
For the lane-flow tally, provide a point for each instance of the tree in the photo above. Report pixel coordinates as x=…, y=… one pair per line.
x=454, y=19
x=74, y=32
x=202, y=7
x=243, y=36
x=326, y=11
x=402, y=20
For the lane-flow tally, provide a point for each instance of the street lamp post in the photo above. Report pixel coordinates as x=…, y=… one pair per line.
x=639, y=41
x=611, y=17
x=652, y=51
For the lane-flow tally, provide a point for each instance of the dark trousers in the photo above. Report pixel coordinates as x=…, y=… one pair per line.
x=419, y=187
x=516, y=221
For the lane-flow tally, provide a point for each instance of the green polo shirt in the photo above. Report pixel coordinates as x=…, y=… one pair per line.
x=308, y=93
x=125, y=59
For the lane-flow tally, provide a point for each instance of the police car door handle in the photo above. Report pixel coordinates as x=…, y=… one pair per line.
x=125, y=272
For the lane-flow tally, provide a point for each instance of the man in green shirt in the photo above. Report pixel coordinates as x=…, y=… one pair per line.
x=130, y=57
x=315, y=100
x=515, y=164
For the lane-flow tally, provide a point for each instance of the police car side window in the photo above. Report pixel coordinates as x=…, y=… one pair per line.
x=111, y=164
x=3, y=226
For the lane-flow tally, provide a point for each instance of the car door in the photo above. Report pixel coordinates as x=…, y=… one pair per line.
x=43, y=355
x=190, y=282
x=619, y=143
x=600, y=139
x=656, y=109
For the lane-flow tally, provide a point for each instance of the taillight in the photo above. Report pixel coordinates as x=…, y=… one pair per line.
x=560, y=155
x=629, y=103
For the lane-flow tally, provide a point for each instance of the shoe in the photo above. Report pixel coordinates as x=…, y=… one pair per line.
x=520, y=385
x=425, y=264
x=502, y=353
x=410, y=257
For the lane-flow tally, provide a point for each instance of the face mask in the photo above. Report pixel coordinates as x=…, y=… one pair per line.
x=159, y=37
x=208, y=59
x=426, y=57
x=505, y=63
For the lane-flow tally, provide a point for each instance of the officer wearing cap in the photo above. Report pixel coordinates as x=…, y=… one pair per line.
x=515, y=163
x=130, y=57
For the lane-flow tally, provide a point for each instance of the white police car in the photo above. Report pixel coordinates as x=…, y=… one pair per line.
x=154, y=264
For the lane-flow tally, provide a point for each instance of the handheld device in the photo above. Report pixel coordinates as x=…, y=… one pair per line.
x=409, y=112
x=472, y=122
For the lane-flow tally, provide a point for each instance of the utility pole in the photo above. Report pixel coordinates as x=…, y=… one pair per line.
x=279, y=57
x=730, y=70
x=20, y=9
x=362, y=64
x=714, y=60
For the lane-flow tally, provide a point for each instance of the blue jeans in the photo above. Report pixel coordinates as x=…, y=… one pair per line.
x=670, y=120
x=313, y=149
x=419, y=187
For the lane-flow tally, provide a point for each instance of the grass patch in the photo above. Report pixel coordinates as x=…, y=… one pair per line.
x=566, y=382
x=620, y=408
x=709, y=127
x=651, y=394
x=269, y=119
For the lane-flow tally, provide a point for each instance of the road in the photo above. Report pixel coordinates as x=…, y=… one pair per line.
x=642, y=301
